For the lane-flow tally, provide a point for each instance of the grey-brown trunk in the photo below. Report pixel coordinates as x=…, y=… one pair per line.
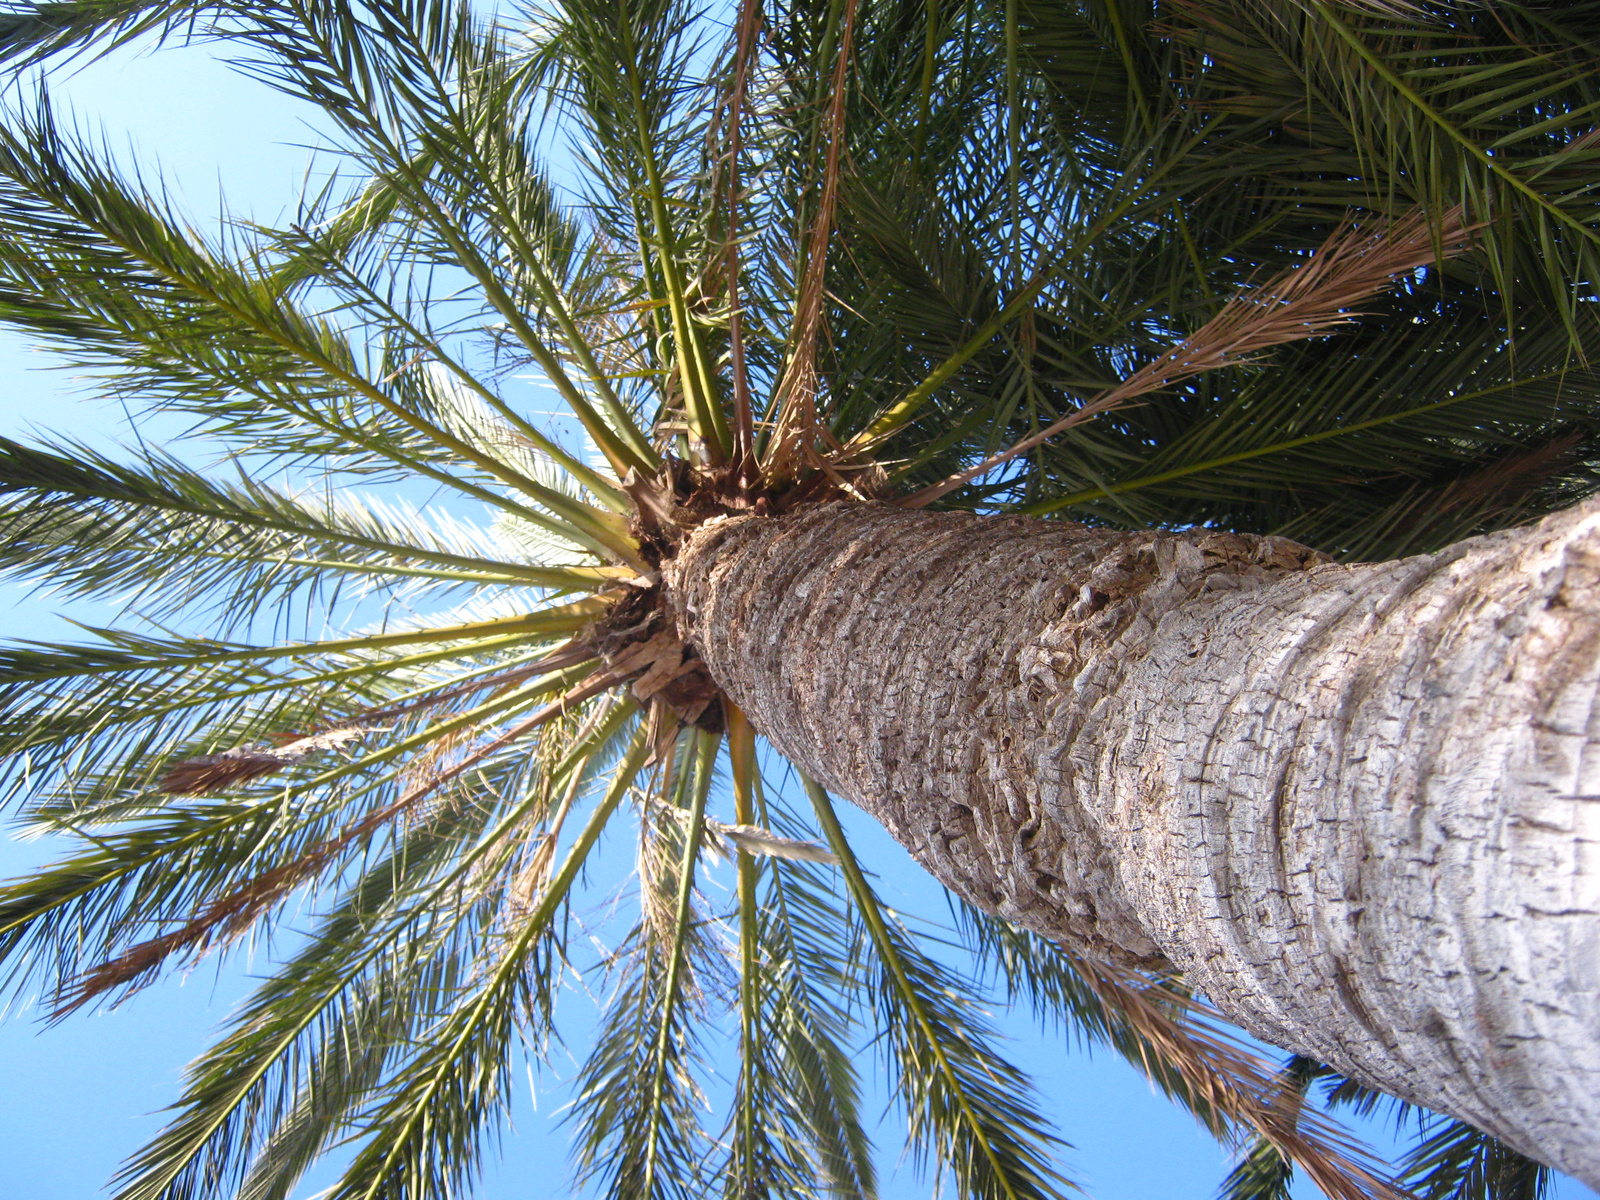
x=1357, y=807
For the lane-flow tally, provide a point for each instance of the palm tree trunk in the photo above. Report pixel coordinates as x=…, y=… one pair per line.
x=1358, y=807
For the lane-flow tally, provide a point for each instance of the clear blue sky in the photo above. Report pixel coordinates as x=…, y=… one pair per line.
x=77, y=1098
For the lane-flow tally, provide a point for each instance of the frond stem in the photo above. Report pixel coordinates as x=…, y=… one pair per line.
x=566, y=618
x=705, y=754
x=743, y=768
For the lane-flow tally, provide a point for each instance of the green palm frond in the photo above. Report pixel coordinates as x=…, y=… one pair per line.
x=422, y=1141
x=446, y=92
x=172, y=537
x=637, y=1096
x=795, y=1118
x=970, y=1110
x=426, y=914
x=1455, y=1161
x=33, y=33
x=201, y=871
x=796, y=1122
x=1404, y=412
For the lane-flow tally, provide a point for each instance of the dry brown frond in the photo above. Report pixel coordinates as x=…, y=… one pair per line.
x=658, y=813
x=214, y=772
x=217, y=772
x=657, y=905
x=1504, y=481
x=1493, y=490
x=1232, y=1080
x=797, y=430
x=1307, y=301
x=663, y=735
x=427, y=772
x=529, y=882
x=218, y=923
x=534, y=837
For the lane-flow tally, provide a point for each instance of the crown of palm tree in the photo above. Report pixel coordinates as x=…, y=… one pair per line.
x=1312, y=269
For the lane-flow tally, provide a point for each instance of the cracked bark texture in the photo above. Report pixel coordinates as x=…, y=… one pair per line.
x=1357, y=806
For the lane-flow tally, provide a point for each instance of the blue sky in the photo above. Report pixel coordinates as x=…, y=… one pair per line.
x=79, y=1097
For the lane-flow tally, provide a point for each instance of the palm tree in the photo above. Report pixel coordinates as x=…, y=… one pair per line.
x=853, y=303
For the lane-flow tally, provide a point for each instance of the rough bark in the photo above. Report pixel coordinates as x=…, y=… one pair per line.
x=1357, y=806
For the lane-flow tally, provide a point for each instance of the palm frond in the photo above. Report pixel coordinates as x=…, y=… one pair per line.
x=422, y=1141
x=86, y=921
x=1306, y=302
x=431, y=78
x=970, y=1110
x=1190, y=1055
x=799, y=1090
x=407, y=922
x=637, y=1095
x=34, y=33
